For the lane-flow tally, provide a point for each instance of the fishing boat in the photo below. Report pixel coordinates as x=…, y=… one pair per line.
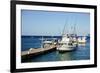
x=65, y=44
x=48, y=43
x=68, y=41
x=82, y=40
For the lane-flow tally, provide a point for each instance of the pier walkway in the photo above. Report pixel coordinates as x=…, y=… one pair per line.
x=34, y=52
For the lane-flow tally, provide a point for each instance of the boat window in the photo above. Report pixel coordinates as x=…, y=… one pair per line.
x=69, y=43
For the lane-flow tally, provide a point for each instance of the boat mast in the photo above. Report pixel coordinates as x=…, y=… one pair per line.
x=74, y=30
x=64, y=28
x=42, y=42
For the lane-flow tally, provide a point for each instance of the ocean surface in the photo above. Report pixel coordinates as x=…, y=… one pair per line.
x=82, y=52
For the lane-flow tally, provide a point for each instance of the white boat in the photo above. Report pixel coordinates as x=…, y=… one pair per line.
x=65, y=44
x=67, y=41
x=48, y=43
x=82, y=40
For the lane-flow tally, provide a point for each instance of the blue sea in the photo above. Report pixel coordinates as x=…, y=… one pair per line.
x=82, y=52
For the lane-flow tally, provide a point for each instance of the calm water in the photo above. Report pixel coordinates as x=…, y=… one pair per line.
x=81, y=52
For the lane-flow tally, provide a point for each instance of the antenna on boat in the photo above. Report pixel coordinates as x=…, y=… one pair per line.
x=64, y=28
x=42, y=42
x=74, y=29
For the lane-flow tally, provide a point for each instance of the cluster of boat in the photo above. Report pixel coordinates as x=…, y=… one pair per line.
x=68, y=42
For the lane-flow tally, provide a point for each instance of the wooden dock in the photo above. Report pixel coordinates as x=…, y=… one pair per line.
x=34, y=52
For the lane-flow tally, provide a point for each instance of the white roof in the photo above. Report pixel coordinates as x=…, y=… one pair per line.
x=47, y=42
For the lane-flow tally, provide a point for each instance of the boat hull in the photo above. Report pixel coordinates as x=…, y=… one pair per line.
x=67, y=48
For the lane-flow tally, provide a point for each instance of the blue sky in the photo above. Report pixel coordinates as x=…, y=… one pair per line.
x=52, y=23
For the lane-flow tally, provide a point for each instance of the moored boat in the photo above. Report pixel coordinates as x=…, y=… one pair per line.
x=82, y=40
x=65, y=44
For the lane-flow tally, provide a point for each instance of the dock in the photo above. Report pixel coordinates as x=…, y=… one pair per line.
x=37, y=51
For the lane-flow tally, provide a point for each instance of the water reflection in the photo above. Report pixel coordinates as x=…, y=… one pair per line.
x=62, y=56
x=82, y=45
